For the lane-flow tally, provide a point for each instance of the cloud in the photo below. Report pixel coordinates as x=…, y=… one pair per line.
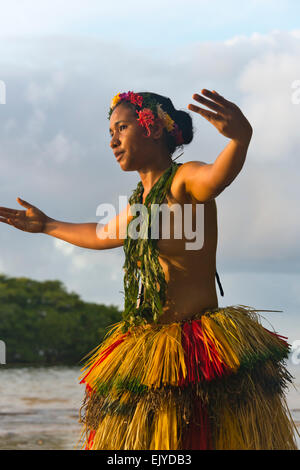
x=267, y=82
x=64, y=247
x=55, y=146
x=85, y=260
x=46, y=92
x=96, y=272
x=261, y=291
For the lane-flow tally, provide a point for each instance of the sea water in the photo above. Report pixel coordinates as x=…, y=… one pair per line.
x=39, y=407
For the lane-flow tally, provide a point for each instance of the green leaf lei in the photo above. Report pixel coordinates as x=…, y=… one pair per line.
x=144, y=251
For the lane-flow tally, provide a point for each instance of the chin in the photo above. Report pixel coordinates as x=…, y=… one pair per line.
x=125, y=166
x=125, y=169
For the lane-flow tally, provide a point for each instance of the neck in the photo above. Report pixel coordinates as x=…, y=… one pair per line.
x=152, y=172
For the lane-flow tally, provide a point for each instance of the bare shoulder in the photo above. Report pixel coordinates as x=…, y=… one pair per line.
x=189, y=167
x=184, y=175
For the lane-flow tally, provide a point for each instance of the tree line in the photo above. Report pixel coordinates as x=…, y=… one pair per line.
x=42, y=324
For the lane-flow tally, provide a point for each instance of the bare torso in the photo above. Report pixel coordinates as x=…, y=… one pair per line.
x=190, y=274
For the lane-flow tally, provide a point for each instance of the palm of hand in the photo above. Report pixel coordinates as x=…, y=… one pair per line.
x=31, y=220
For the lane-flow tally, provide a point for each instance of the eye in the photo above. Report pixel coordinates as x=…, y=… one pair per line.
x=120, y=128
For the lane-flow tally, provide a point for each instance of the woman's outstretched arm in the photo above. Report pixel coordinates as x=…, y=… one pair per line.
x=90, y=235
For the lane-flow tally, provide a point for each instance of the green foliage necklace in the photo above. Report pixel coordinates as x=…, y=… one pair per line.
x=141, y=257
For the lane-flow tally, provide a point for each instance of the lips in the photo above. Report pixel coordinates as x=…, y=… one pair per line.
x=118, y=155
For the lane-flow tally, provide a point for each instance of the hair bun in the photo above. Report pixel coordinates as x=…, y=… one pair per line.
x=185, y=124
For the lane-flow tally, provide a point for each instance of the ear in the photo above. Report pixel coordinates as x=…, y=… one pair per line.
x=157, y=129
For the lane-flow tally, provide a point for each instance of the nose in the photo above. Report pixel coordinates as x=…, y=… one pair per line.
x=115, y=142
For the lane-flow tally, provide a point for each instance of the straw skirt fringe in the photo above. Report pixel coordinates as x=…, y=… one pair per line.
x=213, y=382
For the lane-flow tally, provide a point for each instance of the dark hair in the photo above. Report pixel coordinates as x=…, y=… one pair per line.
x=181, y=118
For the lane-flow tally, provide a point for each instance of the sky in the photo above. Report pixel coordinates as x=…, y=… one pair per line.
x=62, y=62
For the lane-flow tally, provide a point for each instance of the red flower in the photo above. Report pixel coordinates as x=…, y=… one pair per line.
x=146, y=118
x=136, y=99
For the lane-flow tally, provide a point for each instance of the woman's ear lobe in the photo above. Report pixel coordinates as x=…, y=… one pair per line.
x=157, y=129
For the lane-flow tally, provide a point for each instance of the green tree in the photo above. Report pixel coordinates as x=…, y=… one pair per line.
x=41, y=323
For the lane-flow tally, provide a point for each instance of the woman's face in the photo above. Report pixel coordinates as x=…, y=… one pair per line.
x=129, y=139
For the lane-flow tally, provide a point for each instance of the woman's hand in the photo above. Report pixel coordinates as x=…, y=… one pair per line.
x=31, y=220
x=227, y=118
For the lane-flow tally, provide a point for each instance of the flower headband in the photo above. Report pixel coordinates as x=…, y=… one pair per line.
x=147, y=108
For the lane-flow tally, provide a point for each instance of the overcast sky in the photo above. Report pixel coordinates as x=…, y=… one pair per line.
x=62, y=62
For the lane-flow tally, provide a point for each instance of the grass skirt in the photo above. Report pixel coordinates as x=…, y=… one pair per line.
x=216, y=381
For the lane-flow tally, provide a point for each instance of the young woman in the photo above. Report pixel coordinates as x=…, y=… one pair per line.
x=177, y=372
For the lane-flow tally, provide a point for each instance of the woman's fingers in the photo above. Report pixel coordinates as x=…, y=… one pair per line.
x=8, y=213
x=209, y=115
x=5, y=213
x=14, y=221
x=216, y=102
x=214, y=95
x=27, y=220
x=12, y=217
x=210, y=104
x=227, y=118
x=24, y=203
x=6, y=221
x=7, y=210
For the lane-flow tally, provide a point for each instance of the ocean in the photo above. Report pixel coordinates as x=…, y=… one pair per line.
x=39, y=407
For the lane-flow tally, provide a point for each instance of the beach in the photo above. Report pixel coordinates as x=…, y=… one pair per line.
x=39, y=407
